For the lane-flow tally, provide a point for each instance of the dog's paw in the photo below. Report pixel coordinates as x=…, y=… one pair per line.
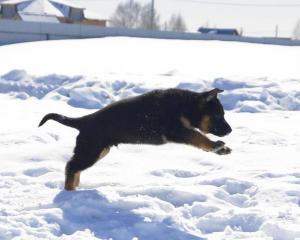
x=223, y=151
x=217, y=146
x=220, y=148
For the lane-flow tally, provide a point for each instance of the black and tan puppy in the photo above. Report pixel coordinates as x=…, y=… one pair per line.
x=157, y=117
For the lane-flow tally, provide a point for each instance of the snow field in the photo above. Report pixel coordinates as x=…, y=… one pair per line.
x=150, y=192
x=136, y=57
x=167, y=192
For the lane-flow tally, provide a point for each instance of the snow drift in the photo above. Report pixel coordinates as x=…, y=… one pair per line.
x=241, y=95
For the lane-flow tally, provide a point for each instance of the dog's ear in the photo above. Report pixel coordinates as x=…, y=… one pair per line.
x=210, y=95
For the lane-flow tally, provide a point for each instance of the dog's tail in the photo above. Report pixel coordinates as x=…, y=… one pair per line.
x=70, y=122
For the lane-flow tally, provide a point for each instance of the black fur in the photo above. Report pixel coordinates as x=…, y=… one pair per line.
x=157, y=117
x=70, y=122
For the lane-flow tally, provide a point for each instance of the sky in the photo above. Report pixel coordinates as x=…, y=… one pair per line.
x=254, y=17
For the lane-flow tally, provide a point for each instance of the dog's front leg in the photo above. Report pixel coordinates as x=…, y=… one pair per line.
x=197, y=139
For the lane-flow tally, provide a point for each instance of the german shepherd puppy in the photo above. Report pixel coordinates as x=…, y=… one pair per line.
x=156, y=117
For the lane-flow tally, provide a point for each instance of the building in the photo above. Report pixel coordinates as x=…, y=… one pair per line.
x=221, y=31
x=55, y=11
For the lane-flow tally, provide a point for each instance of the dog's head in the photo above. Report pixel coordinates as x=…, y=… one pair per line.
x=212, y=119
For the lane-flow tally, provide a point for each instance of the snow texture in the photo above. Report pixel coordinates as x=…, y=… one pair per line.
x=247, y=95
x=143, y=192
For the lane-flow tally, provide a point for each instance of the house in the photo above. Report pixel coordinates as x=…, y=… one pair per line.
x=55, y=11
x=221, y=31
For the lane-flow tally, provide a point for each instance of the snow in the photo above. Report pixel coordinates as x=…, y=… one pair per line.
x=40, y=7
x=141, y=191
x=246, y=95
x=121, y=56
x=37, y=18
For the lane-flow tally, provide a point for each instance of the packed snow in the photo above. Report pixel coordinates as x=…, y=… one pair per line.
x=148, y=192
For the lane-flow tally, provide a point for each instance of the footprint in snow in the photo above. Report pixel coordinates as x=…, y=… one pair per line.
x=36, y=172
x=175, y=172
x=7, y=174
x=295, y=196
x=293, y=178
x=176, y=197
x=271, y=175
x=236, y=192
x=231, y=186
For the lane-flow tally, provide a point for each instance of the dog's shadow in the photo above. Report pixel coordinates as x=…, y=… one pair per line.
x=112, y=217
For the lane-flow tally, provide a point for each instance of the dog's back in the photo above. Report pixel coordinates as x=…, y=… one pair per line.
x=143, y=119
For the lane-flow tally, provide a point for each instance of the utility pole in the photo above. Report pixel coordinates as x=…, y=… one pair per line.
x=241, y=31
x=152, y=14
x=276, y=31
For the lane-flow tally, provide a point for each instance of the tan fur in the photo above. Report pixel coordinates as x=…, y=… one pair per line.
x=196, y=138
x=70, y=182
x=200, y=141
x=73, y=180
x=77, y=179
x=104, y=152
x=186, y=123
x=205, y=124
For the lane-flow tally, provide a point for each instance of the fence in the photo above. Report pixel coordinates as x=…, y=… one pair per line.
x=18, y=31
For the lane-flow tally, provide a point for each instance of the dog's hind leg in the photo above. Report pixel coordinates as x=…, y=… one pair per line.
x=102, y=154
x=81, y=160
x=77, y=179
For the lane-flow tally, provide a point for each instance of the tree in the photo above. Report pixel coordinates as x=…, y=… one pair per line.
x=146, y=18
x=176, y=23
x=127, y=15
x=296, y=33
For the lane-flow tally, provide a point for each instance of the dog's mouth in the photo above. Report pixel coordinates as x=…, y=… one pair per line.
x=222, y=135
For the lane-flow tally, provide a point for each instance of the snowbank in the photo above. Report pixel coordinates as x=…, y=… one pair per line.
x=241, y=95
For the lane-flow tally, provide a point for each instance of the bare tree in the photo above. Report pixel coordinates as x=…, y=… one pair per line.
x=146, y=21
x=176, y=23
x=296, y=33
x=127, y=15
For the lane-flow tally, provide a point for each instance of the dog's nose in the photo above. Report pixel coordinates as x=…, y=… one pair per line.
x=229, y=130
x=226, y=127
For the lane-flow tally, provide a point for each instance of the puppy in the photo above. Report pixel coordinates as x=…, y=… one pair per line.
x=156, y=117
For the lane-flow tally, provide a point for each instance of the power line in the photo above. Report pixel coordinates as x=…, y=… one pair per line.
x=244, y=4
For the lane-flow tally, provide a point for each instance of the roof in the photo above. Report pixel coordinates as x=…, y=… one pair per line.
x=39, y=7
x=68, y=3
x=224, y=31
x=12, y=2
x=38, y=18
x=64, y=2
x=58, y=8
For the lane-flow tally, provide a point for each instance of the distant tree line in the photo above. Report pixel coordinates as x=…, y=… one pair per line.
x=132, y=14
x=296, y=33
